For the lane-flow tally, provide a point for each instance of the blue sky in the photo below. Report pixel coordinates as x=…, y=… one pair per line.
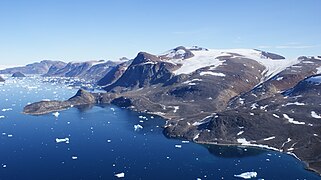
x=78, y=30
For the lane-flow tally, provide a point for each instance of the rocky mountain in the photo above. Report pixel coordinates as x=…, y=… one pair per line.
x=146, y=69
x=35, y=68
x=90, y=70
x=18, y=74
x=243, y=97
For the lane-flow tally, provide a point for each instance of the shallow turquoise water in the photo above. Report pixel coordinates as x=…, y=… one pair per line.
x=103, y=143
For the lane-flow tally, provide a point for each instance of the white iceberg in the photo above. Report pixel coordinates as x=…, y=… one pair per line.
x=7, y=109
x=74, y=157
x=66, y=140
x=137, y=127
x=120, y=175
x=247, y=175
x=56, y=114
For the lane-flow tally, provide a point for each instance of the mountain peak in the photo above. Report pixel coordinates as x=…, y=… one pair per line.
x=143, y=57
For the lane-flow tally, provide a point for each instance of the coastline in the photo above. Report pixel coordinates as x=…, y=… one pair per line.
x=227, y=143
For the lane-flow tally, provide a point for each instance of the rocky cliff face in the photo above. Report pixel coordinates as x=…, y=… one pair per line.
x=240, y=97
x=114, y=74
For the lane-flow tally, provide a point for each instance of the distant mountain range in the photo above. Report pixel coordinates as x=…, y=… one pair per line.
x=88, y=70
x=243, y=97
x=34, y=68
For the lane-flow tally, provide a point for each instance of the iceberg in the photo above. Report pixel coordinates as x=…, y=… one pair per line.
x=120, y=175
x=56, y=114
x=247, y=175
x=137, y=127
x=66, y=140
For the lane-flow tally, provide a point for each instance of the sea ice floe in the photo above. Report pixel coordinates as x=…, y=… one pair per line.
x=247, y=175
x=56, y=114
x=120, y=175
x=6, y=109
x=2, y=117
x=178, y=146
x=143, y=117
x=66, y=140
x=138, y=127
x=74, y=157
x=276, y=116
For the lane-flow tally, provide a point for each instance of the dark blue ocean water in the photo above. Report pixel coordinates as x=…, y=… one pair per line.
x=103, y=142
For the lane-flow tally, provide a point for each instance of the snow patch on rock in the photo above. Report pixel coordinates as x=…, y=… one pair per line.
x=291, y=120
x=315, y=115
x=212, y=73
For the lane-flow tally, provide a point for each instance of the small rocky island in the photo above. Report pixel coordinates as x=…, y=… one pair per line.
x=1, y=79
x=242, y=97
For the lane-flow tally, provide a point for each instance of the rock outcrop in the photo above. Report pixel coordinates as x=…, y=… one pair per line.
x=18, y=74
